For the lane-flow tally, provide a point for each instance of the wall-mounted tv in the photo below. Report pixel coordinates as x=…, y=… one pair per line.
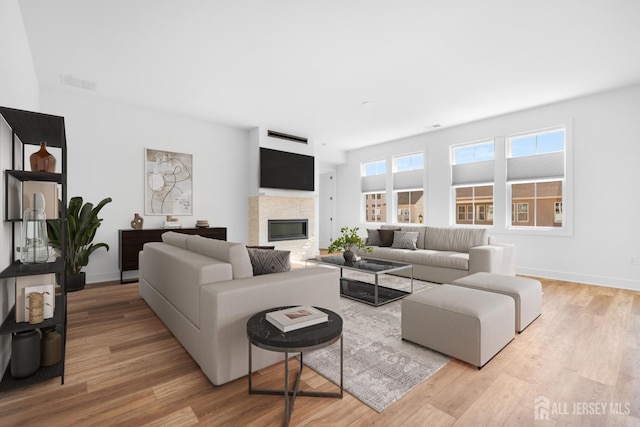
x=291, y=171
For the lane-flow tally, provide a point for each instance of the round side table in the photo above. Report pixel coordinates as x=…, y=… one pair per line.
x=263, y=334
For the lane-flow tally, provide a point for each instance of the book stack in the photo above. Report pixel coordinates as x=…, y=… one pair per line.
x=290, y=319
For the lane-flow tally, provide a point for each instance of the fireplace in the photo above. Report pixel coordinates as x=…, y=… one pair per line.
x=287, y=229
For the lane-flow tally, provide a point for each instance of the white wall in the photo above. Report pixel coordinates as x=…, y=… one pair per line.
x=106, y=144
x=18, y=89
x=606, y=152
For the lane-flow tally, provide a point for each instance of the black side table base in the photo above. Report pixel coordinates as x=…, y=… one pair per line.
x=291, y=394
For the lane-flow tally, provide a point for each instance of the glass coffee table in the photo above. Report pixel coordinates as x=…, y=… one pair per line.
x=368, y=293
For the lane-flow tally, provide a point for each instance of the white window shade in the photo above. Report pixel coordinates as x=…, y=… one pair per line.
x=539, y=166
x=408, y=180
x=472, y=173
x=373, y=183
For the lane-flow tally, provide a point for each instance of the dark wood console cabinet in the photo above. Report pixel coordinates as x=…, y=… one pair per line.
x=131, y=242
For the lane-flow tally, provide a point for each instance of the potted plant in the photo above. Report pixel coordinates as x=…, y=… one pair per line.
x=82, y=223
x=347, y=241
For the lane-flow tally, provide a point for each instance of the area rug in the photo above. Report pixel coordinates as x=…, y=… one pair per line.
x=379, y=368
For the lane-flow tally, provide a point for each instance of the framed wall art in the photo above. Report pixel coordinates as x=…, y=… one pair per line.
x=168, y=183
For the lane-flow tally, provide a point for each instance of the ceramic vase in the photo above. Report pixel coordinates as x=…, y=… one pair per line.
x=136, y=222
x=25, y=353
x=51, y=348
x=42, y=160
x=348, y=256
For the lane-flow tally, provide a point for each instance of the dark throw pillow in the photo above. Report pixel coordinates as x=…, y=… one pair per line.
x=266, y=261
x=386, y=237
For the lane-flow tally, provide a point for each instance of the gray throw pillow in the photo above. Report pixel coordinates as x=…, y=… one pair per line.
x=373, y=237
x=266, y=261
x=405, y=240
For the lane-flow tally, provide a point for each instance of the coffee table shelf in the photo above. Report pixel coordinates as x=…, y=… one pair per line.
x=368, y=293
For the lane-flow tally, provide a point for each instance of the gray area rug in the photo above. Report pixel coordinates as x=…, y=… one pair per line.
x=379, y=368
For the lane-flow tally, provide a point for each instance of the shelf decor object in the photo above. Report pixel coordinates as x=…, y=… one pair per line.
x=34, y=247
x=25, y=353
x=48, y=302
x=36, y=308
x=51, y=347
x=28, y=266
x=137, y=222
x=42, y=160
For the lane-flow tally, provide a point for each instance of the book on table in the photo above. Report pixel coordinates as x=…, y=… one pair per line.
x=290, y=319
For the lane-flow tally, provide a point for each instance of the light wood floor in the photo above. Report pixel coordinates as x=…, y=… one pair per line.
x=124, y=368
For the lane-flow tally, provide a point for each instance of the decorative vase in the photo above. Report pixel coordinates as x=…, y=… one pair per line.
x=36, y=308
x=42, y=160
x=35, y=241
x=51, y=348
x=348, y=256
x=25, y=353
x=136, y=222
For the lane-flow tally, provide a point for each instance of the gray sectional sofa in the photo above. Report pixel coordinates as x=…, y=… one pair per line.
x=204, y=291
x=444, y=254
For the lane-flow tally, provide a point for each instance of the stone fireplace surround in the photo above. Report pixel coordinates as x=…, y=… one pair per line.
x=265, y=208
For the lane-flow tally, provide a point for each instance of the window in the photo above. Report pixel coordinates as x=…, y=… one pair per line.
x=375, y=207
x=478, y=199
x=374, y=168
x=528, y=145
x=545, y=198
x=523, y=212
x=408, y=188
x=408, y=163
x=462, y=213
x=473, y=153
x=481, y=214
x=536, y=178
x=409, y=206
x=472, y=171
x=373, y=187
x=557, y=216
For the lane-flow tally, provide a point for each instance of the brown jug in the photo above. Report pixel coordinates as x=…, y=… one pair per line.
x=51, y=348
x=42, y=160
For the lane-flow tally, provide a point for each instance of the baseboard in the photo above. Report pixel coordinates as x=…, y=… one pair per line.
x=611, y=282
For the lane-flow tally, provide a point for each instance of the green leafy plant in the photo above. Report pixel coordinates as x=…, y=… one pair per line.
x=82, y=223
x=348, y=239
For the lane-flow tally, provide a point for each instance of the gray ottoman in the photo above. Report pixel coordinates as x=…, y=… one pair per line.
x=467, y=324
x=527, y=293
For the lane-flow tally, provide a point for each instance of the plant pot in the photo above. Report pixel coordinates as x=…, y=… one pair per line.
x=349, y=257
x=76, y=282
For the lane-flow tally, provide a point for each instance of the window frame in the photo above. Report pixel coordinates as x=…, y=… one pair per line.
x=566, y=228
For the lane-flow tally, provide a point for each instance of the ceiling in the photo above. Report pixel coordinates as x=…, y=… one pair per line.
x=306, y=67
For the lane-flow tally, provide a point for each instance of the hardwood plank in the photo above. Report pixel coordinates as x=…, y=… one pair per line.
x=496, y=404
x=183, y=418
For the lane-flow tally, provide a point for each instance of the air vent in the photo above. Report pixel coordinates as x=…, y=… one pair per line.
x=280, y=135
x=69, y=80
